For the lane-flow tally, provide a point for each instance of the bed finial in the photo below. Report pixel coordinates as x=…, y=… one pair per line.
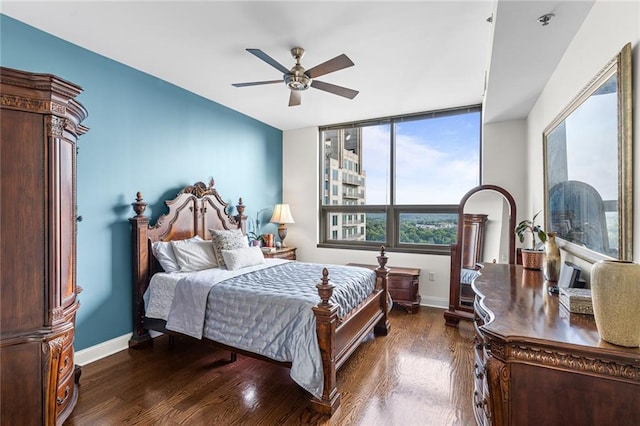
x=325, y=290
x=240, y=207
x=382, y=259
x=139, y=206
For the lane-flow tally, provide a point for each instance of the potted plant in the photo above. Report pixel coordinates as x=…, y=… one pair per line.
x=255, y=239
x=533, y=256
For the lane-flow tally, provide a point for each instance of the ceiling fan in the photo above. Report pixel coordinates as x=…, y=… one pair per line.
x=299, y=79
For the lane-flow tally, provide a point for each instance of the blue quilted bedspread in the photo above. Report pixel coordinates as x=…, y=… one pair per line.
x=269, y=312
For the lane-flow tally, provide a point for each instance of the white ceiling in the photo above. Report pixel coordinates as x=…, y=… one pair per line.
x=409, y=56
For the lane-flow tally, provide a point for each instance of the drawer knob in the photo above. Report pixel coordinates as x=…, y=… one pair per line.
x=67, y=392
x=65, y=364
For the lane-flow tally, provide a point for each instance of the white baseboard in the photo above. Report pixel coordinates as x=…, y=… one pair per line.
x=436, y=302
x=101, y=350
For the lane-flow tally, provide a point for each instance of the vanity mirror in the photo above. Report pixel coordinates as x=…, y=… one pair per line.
x=588, y=167
x=486, y=220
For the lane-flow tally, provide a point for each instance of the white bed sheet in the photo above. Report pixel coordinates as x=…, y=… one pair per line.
x=159, y=295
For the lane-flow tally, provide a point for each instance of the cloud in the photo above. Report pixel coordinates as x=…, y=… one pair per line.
x=427, y=172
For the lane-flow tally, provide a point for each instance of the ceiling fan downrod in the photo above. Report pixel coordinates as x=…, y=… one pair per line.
x=297, y=79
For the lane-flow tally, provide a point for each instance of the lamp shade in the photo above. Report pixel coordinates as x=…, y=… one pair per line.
x=281, y=214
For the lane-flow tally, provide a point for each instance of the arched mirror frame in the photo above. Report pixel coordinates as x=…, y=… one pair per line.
x=457, y=310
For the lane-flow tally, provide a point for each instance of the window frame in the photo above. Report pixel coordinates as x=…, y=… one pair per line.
x=392, y=210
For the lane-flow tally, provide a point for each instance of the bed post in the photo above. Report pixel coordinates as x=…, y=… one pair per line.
x=140, y=259
x=326, y=323
x=382, y=274
x=240, y=217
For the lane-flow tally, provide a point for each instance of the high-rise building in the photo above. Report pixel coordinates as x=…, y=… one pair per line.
x=344, y=182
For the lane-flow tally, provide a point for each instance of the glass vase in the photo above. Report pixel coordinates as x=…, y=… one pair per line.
x=552, y=260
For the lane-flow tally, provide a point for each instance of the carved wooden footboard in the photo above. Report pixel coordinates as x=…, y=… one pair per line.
x=198, y=208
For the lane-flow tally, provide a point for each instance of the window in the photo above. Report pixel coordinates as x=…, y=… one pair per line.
x=397, y=181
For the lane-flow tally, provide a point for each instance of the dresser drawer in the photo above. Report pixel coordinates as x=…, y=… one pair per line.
x=400, y=282
x=65, y=365
x=398, y=294
x=65, y=393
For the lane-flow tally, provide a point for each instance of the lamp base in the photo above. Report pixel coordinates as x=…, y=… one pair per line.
x=282, y=233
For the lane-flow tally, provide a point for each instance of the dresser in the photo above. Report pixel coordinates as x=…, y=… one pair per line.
x=288, y=253
x=40, y=122
x=538, y=364
x=402, y=285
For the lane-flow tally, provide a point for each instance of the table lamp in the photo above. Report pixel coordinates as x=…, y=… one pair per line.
x=282, y=215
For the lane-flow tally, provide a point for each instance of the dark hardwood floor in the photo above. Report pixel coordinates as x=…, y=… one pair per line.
x=420, y=374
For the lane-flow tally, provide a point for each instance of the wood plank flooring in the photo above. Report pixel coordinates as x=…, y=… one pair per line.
x=420, y=374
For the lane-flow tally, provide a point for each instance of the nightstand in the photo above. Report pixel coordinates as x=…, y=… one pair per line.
x=402, y=285
x=288, y=253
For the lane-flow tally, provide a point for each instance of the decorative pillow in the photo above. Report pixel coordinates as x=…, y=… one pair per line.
x=242, y=257
x=194, y=255
x=226, y=240
x=163, y=252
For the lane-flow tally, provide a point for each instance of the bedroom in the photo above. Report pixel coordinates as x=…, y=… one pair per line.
x=133, y=116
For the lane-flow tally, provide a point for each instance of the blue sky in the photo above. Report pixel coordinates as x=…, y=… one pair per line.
x=436, y=160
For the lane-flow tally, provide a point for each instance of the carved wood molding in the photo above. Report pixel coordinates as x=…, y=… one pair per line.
x=498, y=375
x=497, y=349
x=33, y=105
x=200, y=189
x=55, y=126
x=39, y=82
x=53, y=348
x=57, y=314
x=573, y=362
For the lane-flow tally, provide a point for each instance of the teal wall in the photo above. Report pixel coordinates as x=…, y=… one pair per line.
x=145, y=135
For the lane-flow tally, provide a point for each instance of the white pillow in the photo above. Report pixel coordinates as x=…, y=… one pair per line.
x=242, y=257
x=194, y=255
x=164, y=254
x=226, y=240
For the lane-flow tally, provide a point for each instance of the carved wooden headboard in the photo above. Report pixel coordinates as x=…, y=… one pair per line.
x=196, y=209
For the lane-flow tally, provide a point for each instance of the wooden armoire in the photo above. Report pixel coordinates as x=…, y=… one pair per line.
x=40, y=123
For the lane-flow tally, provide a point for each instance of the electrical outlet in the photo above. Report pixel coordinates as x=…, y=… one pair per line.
x=432, y=276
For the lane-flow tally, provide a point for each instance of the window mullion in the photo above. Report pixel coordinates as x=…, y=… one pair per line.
x=391, y=220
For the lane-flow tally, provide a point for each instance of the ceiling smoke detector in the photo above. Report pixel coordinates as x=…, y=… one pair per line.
x=544, y=19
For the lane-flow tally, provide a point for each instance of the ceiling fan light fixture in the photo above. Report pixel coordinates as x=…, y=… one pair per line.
x=297, y=82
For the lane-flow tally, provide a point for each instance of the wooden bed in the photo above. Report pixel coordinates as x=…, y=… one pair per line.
x=198, y=208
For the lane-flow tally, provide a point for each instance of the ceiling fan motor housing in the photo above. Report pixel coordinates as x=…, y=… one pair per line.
x=297, y=79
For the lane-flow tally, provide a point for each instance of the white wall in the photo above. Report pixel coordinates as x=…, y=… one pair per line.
x=504, y=158
x=608, y=27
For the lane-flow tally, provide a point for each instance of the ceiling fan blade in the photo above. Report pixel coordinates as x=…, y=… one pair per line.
x=295, y=98
x=336, y=90
x=268, y=59
x=255, y=83
x=335, y=64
